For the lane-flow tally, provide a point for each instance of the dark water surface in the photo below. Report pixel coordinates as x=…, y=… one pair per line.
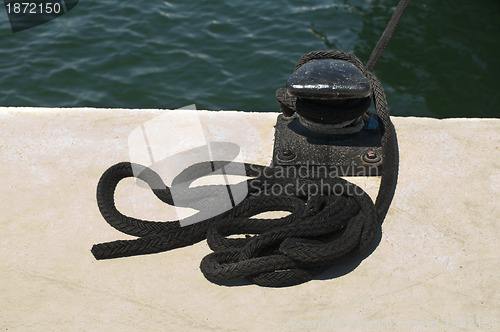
x=442, y=62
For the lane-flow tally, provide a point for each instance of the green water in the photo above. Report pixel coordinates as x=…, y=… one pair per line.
x=443, y=60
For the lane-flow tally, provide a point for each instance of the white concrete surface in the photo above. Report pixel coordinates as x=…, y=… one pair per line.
x=436, y=266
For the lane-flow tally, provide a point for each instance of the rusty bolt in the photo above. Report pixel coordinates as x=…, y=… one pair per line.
x=371, y=157
x=286, y=155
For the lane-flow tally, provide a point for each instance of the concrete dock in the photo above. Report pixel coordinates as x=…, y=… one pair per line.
x=436, y=266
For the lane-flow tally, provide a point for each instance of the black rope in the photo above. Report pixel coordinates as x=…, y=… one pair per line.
x=386, y=35
x=321, y=230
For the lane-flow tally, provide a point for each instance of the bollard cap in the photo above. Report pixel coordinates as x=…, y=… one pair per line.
x=328, y=79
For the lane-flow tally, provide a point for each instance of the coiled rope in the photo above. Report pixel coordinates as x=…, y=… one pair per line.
x=338, y=224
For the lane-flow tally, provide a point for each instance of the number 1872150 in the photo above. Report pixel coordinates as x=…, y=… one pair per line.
x=33, y=8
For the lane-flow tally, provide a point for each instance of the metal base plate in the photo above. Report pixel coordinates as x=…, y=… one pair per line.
x=357, y=154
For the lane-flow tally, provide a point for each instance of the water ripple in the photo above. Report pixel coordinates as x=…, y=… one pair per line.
x=234, y=55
